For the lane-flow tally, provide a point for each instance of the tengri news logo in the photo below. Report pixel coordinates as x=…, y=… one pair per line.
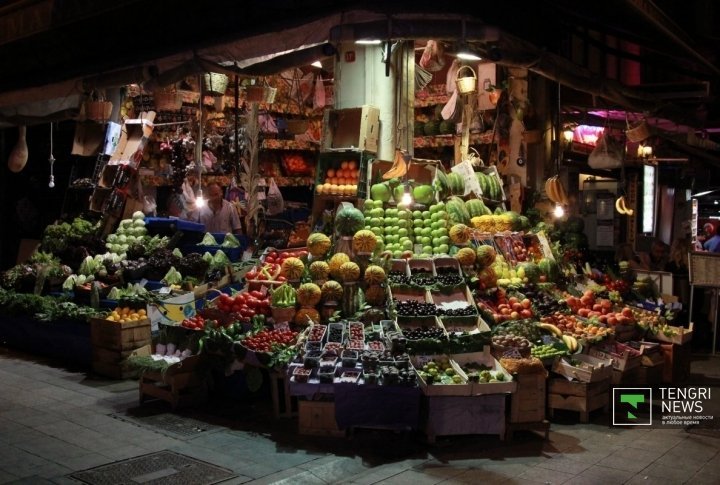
x=632, y=406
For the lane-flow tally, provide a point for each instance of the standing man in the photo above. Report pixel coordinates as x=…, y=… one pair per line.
x=712, y=243
x=219, y=215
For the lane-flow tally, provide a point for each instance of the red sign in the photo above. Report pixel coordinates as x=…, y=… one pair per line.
x=350, y=56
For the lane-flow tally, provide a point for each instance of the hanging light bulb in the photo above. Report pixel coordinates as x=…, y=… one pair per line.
x=51, y=184
x=406, y=198
x=200, y=200
x=317, y=64
x=559, y=211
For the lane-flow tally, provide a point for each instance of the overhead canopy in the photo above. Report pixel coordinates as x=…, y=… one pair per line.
x=57, y=51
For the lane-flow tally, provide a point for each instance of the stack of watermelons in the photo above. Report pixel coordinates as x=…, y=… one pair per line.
x=490, y=186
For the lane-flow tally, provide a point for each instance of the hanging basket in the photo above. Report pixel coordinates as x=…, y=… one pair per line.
x=283, y=314
x=98, y=110
x=260, y=94
x=215, y=83
x=467, y=84
x=168, y=100
x=638, y=131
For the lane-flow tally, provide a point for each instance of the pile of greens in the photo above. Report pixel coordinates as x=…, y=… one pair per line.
x=59, y=237
x=43, y=308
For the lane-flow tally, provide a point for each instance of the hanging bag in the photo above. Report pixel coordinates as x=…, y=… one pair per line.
x=605, y=155
x=275, y=201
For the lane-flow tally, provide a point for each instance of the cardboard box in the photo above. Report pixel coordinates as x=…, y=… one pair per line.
x=351, y=128
x=591, y=369
x=484, y=358
x=135, y=134
x=527, y=404
x=623, y=356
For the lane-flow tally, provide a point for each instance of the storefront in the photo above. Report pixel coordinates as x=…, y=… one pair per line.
x=412, y=242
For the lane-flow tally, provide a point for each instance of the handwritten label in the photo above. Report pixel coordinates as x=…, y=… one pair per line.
x=465, y=170
x=263, y=290
x=513, y=353
x=247, y=255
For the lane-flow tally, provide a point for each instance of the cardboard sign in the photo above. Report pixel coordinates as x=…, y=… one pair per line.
x=465, y=170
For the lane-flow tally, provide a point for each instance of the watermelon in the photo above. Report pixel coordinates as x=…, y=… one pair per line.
x=456, y=184
x=457, y=213
x=447, y=127
x=432, y=128
x=499, y=211
x=524, y=223
x=442, y=185
x=348, y=221
x=532, y=271
x=419, y=128
x=475, y=207
x=549, y=268
x=487, y=278
x=514, y=219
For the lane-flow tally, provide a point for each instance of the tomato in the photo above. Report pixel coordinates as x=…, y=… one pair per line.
x=251, y=275
x=257, y=294
x=270, y=259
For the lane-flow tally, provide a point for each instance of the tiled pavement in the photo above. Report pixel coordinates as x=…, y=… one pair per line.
x=55, y=420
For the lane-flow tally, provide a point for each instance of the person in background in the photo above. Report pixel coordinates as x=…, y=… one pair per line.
x=712, y=243
x=657, y=258
x=625, y=252
x=218, y=215
x=678, y=259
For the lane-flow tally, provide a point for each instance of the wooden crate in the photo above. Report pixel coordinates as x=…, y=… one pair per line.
x=527, y=404
x=351, y=128
x=677, y=362
x=317, y=418
x=650, y=375
x=582, y=397
x=119, y=336
x=180, y=385
x=629, y=377
x=111, y=363
x=284, y=405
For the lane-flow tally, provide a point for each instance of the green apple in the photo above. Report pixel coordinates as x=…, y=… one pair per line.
x=428, y=223
x=391, y=212
x=397, y=254
x=407, y=245
x=402, y=232
x=417, y=231
x=435, y=225
x=434, y=208
x=418, y=222
x=436, y=242
x=426, y=215
x=378, y=231
x=417, y=215
x=442, y=232
x=442, y=215
x=377, y=212
x=444, y=248
x=376, y=222
x=368, y=205
x=444, y=240
x=402, y=223
x=426, y=240
x=378, y=204
x=426, y=231
x=388, y=221
x=404, y=214
x=427, y=250
x=436, y=233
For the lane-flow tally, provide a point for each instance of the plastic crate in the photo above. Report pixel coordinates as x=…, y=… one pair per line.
x=167, y=226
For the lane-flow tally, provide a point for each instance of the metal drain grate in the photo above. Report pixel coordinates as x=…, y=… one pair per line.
x=171, y=424
x=161, y=468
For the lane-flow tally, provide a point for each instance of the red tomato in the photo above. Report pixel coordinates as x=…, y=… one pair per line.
x=270, y=259
x=257, y=294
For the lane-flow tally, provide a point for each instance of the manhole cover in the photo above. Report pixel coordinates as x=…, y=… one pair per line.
x=167, y=423
x=163, y=467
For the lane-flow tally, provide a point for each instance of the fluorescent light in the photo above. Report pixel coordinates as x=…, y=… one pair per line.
x=468, y=56
x=700, y=194
x=317, y=64
x=649, y=199
x=368, y=41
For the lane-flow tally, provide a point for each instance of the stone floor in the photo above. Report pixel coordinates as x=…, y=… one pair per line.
x=56, y=420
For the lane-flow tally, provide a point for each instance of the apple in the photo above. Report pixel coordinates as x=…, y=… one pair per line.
x=378, y=231
x=397, y=254
x=407, y=245
x=417, y=215
x=426, y=214
x=417, y=231
x=426, y=231
x=391, y=212
x=402, y=223
x=377, y=212
x=378, y=204
x=402, y=232
x=426, y=241
x=444, y=248
x=403, y=214
x=418, y=223
x=436, y=242
x=444, y=240
x=427, y=250
x=376, y=222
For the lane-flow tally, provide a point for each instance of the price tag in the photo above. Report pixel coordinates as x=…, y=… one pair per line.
x=284, y=326
x=512, y=354
x=548, y=340
x=263, y=290
x=465, y=170
x=247, y=255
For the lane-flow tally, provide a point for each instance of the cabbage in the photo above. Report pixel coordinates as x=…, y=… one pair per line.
x=208, y=240
x=69, y=283
x=122, y=238
x=207, y=257
x=138, y=215
x=112, y=238
x=177, y=252
x=126, y=223
x=230, y=241
x=138, y=223
x=220, y=260
x=173, y=277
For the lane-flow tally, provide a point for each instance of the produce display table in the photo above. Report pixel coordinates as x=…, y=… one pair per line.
x=68, y=340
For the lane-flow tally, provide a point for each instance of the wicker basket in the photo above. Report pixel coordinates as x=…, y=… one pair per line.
x=98, y=110
x=168, y=100
x=704, y=269
x=466, y=85
x=638, y=131
x=215, y=83
x=283, y=314
x=260, y=94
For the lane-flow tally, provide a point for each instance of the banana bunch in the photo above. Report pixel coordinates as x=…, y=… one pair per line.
x=621, y=207
x=549, y=327
x=571, y=342
x=556, y=191
x=399, y=166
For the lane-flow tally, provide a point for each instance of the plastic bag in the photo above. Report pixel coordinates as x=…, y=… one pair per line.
x=275, y=201
x=432, y=57
x=319, y=98
x=452, y=110
x=450, y=84
x=606, y=155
